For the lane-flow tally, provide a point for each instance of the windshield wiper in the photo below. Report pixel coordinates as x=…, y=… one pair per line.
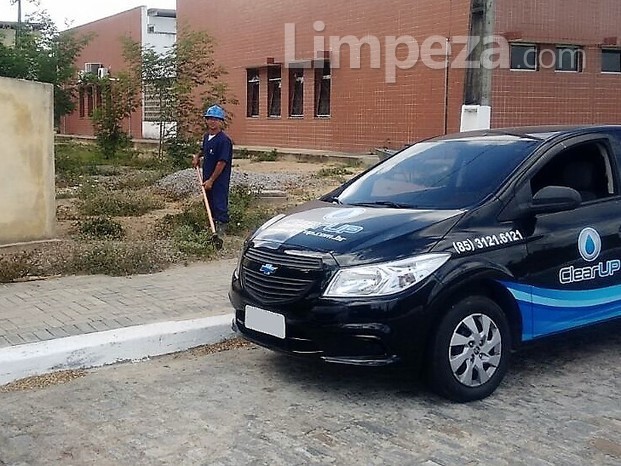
x=332, y=199
x=393, y=205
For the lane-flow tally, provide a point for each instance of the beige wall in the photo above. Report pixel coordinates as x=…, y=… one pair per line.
x=7, y=36
x=27, y=195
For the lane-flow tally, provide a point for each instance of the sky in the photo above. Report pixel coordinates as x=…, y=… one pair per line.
x=79, y=12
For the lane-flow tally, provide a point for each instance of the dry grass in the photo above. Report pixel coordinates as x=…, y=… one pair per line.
x=42, y=381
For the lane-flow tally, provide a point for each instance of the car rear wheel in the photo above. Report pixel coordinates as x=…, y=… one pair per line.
x=470, y=350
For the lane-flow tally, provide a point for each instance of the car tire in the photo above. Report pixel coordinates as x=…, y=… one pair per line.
x=470, y=350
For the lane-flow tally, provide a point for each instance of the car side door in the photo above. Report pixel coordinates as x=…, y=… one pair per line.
x=573, y=267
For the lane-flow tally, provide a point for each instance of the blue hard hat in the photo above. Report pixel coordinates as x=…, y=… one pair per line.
x=215, y=111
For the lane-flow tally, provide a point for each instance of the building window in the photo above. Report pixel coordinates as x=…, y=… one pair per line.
x=569, y=58
x=98, y=97
x=274, y=84
x=90, y=101
x=158, y=102
x=611, y=61
x=524, y=57
x=82, y=103
x=323, y=84
x=252, y=95
x=296, y=93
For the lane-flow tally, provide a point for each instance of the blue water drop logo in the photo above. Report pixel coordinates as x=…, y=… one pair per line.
x=589, y=244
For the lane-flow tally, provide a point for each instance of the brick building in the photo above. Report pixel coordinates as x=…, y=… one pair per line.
x=341, y=75
x=103, y=55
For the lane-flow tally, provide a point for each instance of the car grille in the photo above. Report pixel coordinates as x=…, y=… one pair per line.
x=293, y=278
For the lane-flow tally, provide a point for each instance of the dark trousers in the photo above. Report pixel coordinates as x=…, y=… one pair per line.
x=218, y=199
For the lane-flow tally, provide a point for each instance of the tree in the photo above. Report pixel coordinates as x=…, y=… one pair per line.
x=43, y=54
x=183, y=81
x=119, y=101
x=120, y=97
x=157, y=73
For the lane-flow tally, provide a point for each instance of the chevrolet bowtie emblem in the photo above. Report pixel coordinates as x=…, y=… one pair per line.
x=268, y=269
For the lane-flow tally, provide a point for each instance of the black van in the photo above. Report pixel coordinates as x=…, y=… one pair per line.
x=451, y=253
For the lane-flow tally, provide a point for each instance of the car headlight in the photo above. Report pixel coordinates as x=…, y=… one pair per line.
x=383, y=279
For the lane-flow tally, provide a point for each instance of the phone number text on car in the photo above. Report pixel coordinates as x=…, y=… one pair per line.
x=489, y=241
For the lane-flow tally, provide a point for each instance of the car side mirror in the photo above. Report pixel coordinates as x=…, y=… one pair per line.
x=555, y=199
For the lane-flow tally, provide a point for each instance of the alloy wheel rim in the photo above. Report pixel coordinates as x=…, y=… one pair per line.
x=475, y=350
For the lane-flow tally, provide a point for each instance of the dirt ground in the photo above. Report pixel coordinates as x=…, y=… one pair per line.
x=298, y=168
x=311, y=185
x=146, y=245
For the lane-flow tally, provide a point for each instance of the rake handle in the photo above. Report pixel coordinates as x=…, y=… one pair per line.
x=205, y=200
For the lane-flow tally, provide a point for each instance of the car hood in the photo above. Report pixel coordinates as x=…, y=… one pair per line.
x=355, y=235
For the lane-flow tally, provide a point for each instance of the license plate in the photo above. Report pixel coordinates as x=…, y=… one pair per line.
x=264, y=321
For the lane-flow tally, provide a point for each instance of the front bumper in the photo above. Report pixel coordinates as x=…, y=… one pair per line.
x=373, y=332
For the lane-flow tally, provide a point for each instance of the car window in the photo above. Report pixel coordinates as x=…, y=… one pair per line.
x=585, y=167
x=448, y=174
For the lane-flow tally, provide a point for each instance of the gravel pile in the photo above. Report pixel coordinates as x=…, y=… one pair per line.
x=266, y=181
x=185, y=183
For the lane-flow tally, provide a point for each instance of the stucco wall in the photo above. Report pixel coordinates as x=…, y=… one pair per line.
x=27, y=196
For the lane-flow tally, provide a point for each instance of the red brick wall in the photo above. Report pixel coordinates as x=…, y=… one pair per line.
x=546, y=96
x=366, y=112
x=106, y=47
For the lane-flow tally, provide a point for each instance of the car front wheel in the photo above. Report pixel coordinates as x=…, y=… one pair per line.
x=470, y=350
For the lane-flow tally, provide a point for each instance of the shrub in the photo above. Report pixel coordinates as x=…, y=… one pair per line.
x=101, y=228
x=271, y=156
x=193, y=216
x=111, y=138
x=193, y=243
x=96, y=257
x=118, y=259
x=242, y=153
x=116, y=204
x=334, y=172
x=139, y=180
x=180, y=151
x=244, y=210
x=72, y=160
x=16, y=266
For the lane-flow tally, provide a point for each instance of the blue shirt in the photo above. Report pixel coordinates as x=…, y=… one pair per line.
x=219, y=148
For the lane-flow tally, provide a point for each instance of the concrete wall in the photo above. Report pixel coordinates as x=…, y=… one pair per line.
x=27, y=196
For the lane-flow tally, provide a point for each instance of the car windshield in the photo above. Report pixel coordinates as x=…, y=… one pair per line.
x=447, y=174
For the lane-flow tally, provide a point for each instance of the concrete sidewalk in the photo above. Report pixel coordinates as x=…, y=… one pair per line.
x=80, y=318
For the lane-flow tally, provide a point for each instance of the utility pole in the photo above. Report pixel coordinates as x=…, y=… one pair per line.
x=18, y=31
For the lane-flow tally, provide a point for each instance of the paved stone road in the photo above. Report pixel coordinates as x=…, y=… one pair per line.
x=559, y=405
x=43, y=310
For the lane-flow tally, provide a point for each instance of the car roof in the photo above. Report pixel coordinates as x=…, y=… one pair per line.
x=539, y=133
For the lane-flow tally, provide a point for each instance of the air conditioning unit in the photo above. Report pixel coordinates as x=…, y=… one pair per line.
x=102, y=72
x=92, y=67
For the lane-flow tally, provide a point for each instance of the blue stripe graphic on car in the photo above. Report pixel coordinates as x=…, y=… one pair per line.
x=546, y=311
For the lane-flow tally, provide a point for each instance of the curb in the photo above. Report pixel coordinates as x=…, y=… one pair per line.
x=112, y=346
